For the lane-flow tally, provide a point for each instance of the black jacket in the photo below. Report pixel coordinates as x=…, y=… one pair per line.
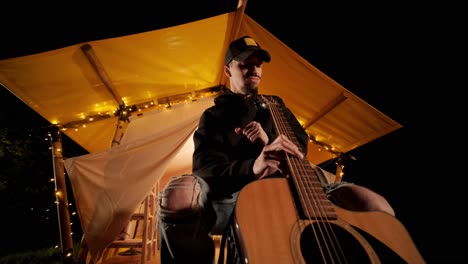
x=225, y=159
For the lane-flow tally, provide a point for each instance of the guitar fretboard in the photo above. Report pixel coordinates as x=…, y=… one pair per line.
x=313, y=200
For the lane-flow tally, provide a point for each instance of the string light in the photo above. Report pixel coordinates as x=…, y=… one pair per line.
x=322, y=145
x=124, y=111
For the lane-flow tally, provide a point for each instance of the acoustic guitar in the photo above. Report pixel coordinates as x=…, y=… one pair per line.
x=290, y=220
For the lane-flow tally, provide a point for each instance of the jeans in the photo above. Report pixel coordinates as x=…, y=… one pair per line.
x=185, y=226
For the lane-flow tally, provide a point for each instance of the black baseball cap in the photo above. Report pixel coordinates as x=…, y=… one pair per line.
x=240, y=49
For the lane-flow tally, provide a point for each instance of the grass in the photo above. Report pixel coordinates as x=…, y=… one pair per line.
x=50, y=255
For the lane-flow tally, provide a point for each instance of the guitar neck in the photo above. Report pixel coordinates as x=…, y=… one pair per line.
x=307, y=186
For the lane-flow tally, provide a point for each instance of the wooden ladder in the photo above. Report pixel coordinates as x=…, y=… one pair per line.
x=145, y=237
x=141, y=236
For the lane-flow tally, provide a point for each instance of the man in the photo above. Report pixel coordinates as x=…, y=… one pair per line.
x=236, y=144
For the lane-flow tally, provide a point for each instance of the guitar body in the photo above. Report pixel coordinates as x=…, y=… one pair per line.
x=269, y=229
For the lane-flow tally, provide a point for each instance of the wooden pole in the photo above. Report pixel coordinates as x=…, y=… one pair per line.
x=339, y=172
x=101, y=72
x=121, y=127
x=239, y=15
x=61, y=197
x=339, y=169
x=338, y=100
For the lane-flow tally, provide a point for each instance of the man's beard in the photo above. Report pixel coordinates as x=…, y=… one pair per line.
x=251, y=90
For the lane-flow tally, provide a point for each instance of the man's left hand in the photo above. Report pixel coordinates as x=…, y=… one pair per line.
x=254, y=132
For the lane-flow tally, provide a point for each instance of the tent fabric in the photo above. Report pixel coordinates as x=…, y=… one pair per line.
x=308, y=91
x=110, y=182
x=143, y=67
x=109, y=185
x=148, y=66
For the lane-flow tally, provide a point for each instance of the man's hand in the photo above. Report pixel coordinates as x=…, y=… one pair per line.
x=270, y=159
x=254, y=132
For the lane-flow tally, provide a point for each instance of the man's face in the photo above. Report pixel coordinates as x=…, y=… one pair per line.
x=245, y=75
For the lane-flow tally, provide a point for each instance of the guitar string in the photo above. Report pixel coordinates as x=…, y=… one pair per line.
x=305, y=186
x=300, y=186
x=311, y=198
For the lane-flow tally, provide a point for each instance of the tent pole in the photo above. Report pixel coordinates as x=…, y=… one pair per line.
x=338, y=100
x=101, y=72
x=61, y=197
x=339, y=172
x=121, y=126
x=236, y=25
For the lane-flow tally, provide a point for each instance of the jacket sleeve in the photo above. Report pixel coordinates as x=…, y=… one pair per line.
x=211, y=160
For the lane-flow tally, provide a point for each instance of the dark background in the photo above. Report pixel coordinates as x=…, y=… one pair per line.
x=400, y=58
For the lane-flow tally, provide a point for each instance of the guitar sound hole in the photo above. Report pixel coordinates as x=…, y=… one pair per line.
x=330, y=243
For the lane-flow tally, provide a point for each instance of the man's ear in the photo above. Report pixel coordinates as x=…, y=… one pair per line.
x=227, y=71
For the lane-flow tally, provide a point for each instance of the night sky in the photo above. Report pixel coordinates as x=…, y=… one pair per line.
x=396, y=57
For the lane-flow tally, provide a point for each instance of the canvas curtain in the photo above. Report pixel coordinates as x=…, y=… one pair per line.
x=108, y=186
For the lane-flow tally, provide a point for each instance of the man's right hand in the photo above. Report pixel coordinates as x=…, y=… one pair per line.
x=272, y=156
